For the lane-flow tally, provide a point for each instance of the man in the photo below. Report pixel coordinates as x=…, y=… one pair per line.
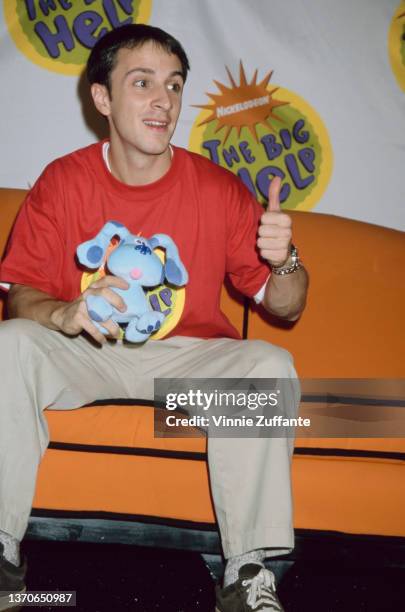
x=137, y=74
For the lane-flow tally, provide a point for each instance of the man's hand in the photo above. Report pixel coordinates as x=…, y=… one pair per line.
x=275, y=229
x=72, y=317
x=69, y=317
x=284, y=296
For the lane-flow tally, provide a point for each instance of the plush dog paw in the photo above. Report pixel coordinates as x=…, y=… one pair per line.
x=134, y=335
x=150, y=322
x=139, y=330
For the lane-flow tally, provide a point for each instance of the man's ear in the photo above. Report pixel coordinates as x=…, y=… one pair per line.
x=101, y=98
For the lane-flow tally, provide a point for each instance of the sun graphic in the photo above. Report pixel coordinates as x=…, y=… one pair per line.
x=244, y=105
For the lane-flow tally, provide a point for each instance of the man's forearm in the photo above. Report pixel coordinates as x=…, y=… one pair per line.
x=29, y=303
x=71, y=318
x=285, y=295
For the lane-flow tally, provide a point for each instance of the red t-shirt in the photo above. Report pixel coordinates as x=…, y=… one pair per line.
x=209, y=213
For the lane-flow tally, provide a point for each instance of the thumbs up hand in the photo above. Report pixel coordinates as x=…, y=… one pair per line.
x=274, y=236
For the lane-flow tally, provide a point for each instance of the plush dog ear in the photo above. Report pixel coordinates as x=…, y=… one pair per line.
x=92, y=252
x=174, y=269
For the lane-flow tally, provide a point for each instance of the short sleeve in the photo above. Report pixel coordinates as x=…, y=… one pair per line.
x=247, y=271
x=34, y=251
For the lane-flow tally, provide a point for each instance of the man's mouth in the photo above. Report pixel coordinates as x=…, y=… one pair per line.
x=157, y=125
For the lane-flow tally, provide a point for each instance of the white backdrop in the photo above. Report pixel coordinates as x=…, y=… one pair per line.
x=333, y=64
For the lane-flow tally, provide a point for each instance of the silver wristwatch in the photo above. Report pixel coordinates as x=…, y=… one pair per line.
x=292, y=267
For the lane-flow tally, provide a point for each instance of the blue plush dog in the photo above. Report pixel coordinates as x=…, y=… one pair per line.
x=134, y=261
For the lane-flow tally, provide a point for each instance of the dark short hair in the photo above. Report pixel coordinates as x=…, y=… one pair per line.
x=103, y=56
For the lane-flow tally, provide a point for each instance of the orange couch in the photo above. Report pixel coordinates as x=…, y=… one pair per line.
x=106, y=477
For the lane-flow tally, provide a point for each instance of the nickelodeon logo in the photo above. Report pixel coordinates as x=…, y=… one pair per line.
x=241, y=106
x=259, y=132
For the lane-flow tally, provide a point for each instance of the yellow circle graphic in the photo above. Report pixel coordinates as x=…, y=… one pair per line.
x=59, y=34
x=257, y=131
x=396, y=45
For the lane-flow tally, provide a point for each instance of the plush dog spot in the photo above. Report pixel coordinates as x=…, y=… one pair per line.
x=94, y=254
x=95, y=316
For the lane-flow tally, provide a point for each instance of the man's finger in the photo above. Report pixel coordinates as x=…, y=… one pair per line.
x=112, y=328
x=273, y=243
x=272, y=230
x=113, y=298
x=92, y=330
x=108, y=294
x=110, y=281
x=116, y=281
x=274, y=195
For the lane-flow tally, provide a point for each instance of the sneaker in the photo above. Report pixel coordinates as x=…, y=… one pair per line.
x=11, y=581
x=254, y=590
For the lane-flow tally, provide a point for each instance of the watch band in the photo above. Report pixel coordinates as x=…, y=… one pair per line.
x=295, y=263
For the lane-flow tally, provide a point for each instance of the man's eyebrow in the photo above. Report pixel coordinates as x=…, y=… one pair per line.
x=150, y=71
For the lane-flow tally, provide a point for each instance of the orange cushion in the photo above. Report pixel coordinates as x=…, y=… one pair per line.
x=173, y=486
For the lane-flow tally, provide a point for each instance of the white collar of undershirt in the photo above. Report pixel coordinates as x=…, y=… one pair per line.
x=106, y=148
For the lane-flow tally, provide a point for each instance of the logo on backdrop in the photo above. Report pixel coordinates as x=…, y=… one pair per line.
x=167, y=299
x=396, y=44
x=59, y=34
x=258, y=131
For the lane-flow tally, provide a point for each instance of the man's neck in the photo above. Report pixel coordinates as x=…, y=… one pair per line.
x=136, y=168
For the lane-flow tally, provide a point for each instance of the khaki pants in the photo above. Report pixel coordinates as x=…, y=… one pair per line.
x=40, y=368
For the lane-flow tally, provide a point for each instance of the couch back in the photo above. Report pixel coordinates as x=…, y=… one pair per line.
x=353, y=324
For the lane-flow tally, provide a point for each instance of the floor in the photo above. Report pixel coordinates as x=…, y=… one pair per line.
x=114, y=577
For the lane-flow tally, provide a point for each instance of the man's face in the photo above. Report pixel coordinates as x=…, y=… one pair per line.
x=146, y=91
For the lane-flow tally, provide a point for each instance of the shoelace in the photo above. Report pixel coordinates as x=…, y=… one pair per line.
x=261, y=590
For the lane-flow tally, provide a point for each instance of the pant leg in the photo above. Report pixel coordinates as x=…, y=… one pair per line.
x=250, y=477
x=41, y=369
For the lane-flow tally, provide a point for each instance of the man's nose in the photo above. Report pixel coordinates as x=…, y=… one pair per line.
x=162, y=98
